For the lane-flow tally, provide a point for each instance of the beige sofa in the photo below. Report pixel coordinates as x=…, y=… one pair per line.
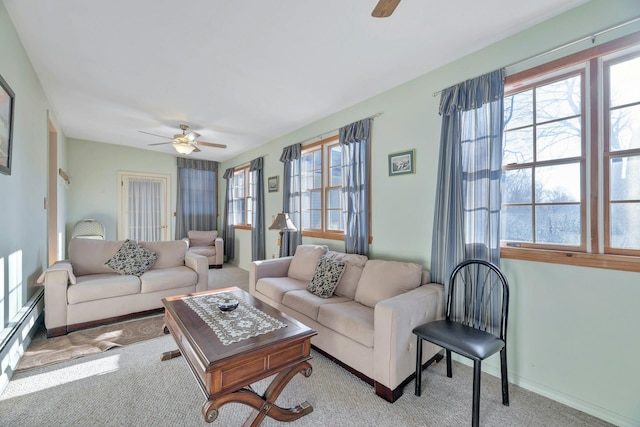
x=83, y=291
x=367, y=323
x=207, y=243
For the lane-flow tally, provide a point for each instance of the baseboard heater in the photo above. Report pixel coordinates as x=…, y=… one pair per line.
x=25, y=312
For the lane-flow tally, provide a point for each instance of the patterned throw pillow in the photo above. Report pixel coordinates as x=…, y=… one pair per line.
x=131, y=258
x=326, y=277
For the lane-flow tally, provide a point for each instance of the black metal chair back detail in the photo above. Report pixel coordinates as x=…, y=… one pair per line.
x=475, y=325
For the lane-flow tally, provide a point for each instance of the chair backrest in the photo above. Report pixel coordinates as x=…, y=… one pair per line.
x=479, y=297
x=88, y=229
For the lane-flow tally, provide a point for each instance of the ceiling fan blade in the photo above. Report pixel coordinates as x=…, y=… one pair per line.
x=153, y=134
x=196, y=149
x=384, y=8
x=162, y=143
x=211, y=144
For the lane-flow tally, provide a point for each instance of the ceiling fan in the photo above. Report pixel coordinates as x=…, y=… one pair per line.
x=384, y=8
x=185, y=142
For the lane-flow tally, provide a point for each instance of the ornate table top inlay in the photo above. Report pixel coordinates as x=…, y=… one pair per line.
x=244, y=322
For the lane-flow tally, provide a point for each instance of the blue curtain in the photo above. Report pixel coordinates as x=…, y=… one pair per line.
x=291, y=199
x=355, y=140
x=228, y=232
x=467, y=210
x=257, y=219
x=197, y=196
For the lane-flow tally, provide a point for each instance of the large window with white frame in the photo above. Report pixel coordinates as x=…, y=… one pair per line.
x=240, y=205
x=322, y=200
x=571, y=159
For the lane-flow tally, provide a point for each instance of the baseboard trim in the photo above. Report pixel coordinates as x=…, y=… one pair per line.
x=571, y=401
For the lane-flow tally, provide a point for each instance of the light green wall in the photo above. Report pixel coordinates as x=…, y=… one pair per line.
x=572, y=334
x=23, y=234
x=94, y=167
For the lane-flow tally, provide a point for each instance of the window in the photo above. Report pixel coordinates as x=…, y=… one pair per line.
x=241, y=202
x=321, y=174
x=571, y=159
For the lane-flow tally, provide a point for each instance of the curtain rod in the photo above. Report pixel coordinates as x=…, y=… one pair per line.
x=592, y=37
x=333, y=130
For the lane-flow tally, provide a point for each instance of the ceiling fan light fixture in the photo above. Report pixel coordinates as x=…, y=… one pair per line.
x=183, y=148
x=192, y=136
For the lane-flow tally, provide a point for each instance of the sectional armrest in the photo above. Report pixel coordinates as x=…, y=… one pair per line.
x=200, y=264
x=394, y=319
x=277, y=267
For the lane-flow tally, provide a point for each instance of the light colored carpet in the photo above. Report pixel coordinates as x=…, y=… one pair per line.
x=130, y=386
x=228, y=275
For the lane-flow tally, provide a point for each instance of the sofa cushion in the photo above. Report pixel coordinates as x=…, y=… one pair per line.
x=351, y=319
x=167, y=278
x=93, y=287
x=131, y=259
x=276, y=287
x=307, y=303
x=326, y=277
x=170, y=253
x=352, y=272
x=207, y=251
x=88, y=256
x=305, y=260
x=385, y=279
x=202, y=238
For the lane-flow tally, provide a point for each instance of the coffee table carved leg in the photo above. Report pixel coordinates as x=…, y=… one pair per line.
x=168, y=355
x=263, y=405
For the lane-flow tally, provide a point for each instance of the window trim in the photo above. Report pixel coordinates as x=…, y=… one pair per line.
x=245, y=169
x=535, y=163
x=595, y=160
x=323, y=145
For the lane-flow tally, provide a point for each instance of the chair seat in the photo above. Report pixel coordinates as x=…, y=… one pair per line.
x=461, y=339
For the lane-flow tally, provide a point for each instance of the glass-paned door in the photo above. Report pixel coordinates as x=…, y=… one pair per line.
x=144, y=207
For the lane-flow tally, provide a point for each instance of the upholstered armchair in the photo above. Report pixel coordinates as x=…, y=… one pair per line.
x=207, y=243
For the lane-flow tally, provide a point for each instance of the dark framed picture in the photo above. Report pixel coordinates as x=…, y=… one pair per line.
x=272, y=184
x=6, y=126
x=402, y=163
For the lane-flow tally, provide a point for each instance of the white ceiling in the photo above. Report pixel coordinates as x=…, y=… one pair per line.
x=241, y=72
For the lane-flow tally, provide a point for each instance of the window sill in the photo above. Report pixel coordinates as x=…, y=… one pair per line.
x=581, y=259
x=242, y=227
x=321, y=235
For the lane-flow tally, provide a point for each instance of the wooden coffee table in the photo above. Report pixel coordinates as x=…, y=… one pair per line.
x=225, y=372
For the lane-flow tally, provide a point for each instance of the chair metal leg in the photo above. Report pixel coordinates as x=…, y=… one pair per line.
x=418, y=366
x=475, y=414
x=449, y=370
x=505, y=378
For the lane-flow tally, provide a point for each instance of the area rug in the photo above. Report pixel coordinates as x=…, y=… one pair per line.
x=44, y=351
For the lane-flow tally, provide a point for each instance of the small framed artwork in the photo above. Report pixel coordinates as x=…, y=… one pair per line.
x=402, y=163
x=272, y=184
x=6, y=126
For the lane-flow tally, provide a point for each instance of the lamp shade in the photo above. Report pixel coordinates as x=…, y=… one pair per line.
x=283, y=223
x=183, y=148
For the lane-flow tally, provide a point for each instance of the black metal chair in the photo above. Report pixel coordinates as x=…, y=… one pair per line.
x=475, y=325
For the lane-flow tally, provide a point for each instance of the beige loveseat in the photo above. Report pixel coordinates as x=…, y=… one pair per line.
x=83, y=291
x=367, y=323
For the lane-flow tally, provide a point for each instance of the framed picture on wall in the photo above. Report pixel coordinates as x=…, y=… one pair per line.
x=6, y=126
x=402, y=163
x=272, y=184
